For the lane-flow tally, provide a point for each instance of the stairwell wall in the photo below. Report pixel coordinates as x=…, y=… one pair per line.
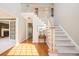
x=67, y=15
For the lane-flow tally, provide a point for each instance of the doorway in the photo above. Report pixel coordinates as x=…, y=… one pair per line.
x=30, y=30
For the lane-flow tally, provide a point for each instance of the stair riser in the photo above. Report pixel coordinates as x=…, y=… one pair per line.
x=64, y=46
x=61, y=36
x=63, y=41
x=67, y=54
x=56, y=31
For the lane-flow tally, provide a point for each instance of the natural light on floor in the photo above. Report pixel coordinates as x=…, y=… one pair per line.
x=24, y=49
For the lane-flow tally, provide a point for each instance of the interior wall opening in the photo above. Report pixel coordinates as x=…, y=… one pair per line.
x=30, y=30
x=4, y=29
x=8, y=29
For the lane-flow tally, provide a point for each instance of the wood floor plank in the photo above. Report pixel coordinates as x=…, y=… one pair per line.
x=27, y=48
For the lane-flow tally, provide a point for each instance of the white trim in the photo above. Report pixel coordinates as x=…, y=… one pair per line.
x=26, y=30
x=9, y=30
x=7, y=20
x=77, y=47
x=53, y=39
x=17, y=30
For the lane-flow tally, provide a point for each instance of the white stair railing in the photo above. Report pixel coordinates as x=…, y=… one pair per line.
x=50, y=33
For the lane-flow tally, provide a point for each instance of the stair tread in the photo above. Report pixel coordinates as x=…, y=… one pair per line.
x=64, y=43
x=59, y=32
x=67, y=50
x=61, y=39
x=68, y=54
x=60, y=35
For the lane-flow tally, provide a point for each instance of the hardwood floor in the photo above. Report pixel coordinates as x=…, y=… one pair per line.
x=27, y=48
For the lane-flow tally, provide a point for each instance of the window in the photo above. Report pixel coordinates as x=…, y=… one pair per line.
x=36, y=11
x=52, y=13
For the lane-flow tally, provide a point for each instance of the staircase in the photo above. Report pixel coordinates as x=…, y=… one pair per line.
x=40, y=24
x=59, y=40
x=64, y=44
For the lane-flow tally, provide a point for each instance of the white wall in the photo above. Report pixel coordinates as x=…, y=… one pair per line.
x=26, y=30
x=67, y=15
x=35, y=31
x=21, y=29
x=13, y=8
